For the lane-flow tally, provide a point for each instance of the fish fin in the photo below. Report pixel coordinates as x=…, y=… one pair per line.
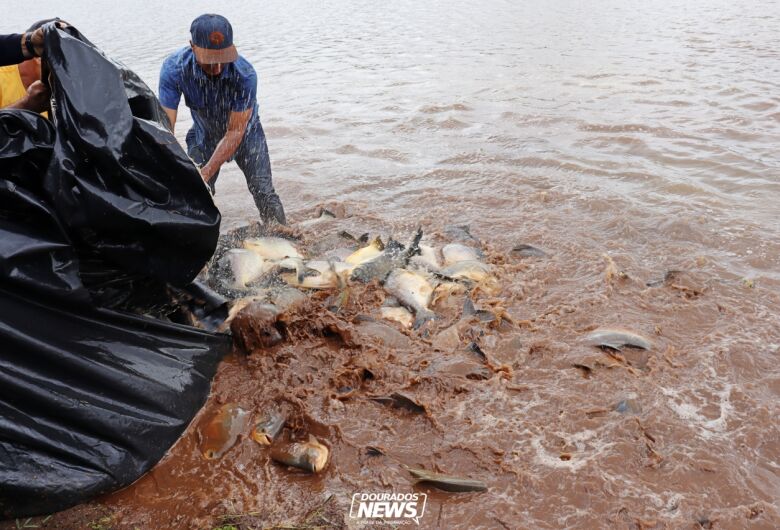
x=422, y=317
x=347, y=235
x=392, y=244
x=363, y=238
x=468, y=307
x=327, y=213
x=379, y=244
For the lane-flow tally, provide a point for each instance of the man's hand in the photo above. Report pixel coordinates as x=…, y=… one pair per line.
x=37, y=39
x=207, y=172
x=36, y=99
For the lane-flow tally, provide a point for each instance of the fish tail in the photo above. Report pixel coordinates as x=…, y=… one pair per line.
x=422, y=317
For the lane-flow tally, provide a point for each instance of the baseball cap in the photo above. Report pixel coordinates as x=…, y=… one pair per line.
x=212, y=39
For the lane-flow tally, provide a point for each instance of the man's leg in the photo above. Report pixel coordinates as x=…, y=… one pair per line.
x=252, y=158
x=200, y=155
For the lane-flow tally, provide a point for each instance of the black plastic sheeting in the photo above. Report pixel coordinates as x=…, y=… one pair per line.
x=103, y=219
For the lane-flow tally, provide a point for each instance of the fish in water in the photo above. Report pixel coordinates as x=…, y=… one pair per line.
x=470, y=311
x=272, y=248
x=427, y=259
x=455, y=252
x=401, y=401
x=617, y=339
x=337, y=254
x=326, y=275
x=221, y=430
x=460, y=233
x=446, y=482
x=445, y=290
x=323, y=216
x=297, y=266
x=412, y=291
x=268, y=427
x=398, y=314
x=311, y=456
x=254, y=327
x=367, y=253
x=243, y=267
x=467, y=270
x=363, y=238
x=527, y=251
x=394, y=256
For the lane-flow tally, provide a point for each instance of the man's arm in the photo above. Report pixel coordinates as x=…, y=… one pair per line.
x=36, y=99
x=171, y=113
x=227, y=146
x=170, y=90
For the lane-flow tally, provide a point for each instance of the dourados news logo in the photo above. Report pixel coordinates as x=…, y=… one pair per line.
x=398, y=508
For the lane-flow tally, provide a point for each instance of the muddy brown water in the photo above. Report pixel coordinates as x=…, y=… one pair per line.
x=625, y=141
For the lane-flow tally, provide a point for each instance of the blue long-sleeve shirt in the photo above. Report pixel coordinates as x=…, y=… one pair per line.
x=11, y=49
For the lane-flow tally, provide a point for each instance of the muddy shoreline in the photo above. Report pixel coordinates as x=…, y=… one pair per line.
x=563, y=433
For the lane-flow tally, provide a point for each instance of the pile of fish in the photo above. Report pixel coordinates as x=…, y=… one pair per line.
x=221, y=430
x=268, y=274
x=278, y=272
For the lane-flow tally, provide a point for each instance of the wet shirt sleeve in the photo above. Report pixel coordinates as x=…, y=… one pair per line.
x=170, y=84
x=247, y=93
x=11, y=49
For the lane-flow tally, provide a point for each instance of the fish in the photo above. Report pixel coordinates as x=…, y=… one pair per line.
x=268, y=427
x=221, y=430
x=337, y=254
x=323, y=216
x=397, y=314
x=367, y=253
x=254, y=327
x=363, y=238
x=394, y=256
x=481, y=314
x=243, y=267
x=287, y=298
x=401, y=401
x=412, y=291
x=272, y=248
x=326, y=275
x=386, y=335
x=460, y=233
x=298, y=266
x=455, y=252
x=427, y=259
x=527, y=251
x=446, y=482
x=467, y=270
x=445, y=290
x=310, y=456
x=617, y=339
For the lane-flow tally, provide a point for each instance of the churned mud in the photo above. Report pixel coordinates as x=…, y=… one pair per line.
x=522, y=393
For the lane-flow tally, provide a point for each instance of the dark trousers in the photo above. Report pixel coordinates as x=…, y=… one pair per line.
x=252, y=158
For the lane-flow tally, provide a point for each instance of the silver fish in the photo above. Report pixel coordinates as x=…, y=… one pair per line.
x=467, y=270
x=272, y=248
x=243, y=267
x=394, y=256
x=455, y=252
x=617, y=339
x=412, y=291
x=447, y=482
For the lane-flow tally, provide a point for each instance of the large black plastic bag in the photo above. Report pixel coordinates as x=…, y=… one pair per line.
x=99, y=206
x=121, y=183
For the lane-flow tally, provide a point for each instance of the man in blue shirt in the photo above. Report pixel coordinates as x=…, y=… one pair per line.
x=220, y=89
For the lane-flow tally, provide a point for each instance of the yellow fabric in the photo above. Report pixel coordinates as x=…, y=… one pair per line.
x=11, y=87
